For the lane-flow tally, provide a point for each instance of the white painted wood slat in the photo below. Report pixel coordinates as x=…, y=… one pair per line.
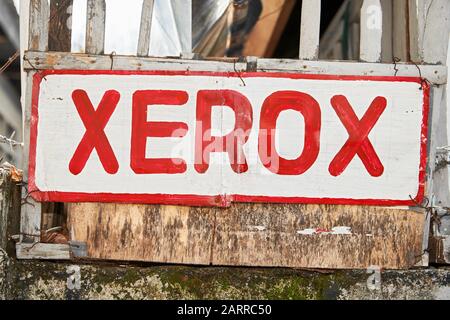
x=429, y=27
x=45, y=251
x=39, y=19
x=145, y=29
x=371, y=31
x=30, y=216
x=310, y=30
x=435, y=74
x=95, y=26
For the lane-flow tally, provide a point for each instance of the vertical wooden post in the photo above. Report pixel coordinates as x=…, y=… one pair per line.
x=387, y=32
x=39, y=14
x=310, y=30
x=428, y=30
x=60, y=27
x=95, y=26
x=145, y=29
x=371, y=31
x=39, y=20
x=429, y=36
x=400, y=29
x=9, y=210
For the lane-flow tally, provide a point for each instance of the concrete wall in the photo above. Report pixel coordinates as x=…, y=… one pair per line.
x=52, y=280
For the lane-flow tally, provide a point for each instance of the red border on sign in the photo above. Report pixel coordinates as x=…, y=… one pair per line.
x=217, y=200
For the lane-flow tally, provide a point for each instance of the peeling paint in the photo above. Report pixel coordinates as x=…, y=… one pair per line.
x=257, y=228
x=333, y=231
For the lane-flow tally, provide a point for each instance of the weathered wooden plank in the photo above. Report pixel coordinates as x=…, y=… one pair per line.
x=44, y=251
x=143, y=232
x=39, y=20
x=95, y=26
x=387, y=35
x=310, y=30
x=251, y=234
x=62, y=61
x=60, y=29
x=145, y=28
x=266, y=33
x=371, y=31
x=434, y=74
x=282, y=235
x=400, y=37
x=30, y=219
x=429, y=34
x=9, y=209
x=438, y=181
x=429, y=26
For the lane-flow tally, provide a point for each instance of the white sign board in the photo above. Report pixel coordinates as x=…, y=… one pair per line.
x=204, y=138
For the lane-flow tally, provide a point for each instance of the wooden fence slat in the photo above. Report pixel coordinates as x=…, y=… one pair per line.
x=371, y=31
x=310, y=30
x=429, y=26
x=145, y=29
x=400, y=30
x=30, y=217
x=387, y=36
x=39, y=20
x=44, y=251
x=95, y=26
x=60, y=28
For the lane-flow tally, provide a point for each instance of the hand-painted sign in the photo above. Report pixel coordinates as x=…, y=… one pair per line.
x=204, y=138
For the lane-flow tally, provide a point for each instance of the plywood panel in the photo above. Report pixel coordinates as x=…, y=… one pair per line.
x=143, y=232
x=318, y=236
x=306, y=236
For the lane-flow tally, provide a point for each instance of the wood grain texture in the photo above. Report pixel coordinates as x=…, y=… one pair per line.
x=310, y=30
x=371, y=31
x=145, y=28
x=9, y=210
x=44, y=251
x=429, y=27
x=250, y=234
x=95, y=26
x=435, y=74
x=38, y=29
x=30, y=216
x=143, y=232
x=400, y=40
x=388, y=238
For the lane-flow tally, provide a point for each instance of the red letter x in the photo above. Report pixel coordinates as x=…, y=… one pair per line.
x=95, y=122
x=358, y=141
